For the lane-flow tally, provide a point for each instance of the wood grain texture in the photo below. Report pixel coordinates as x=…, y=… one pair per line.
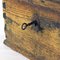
x=28, y=10
x=33, y=44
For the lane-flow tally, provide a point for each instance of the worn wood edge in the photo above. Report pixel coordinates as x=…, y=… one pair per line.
x=17, y=48
x=14, y=46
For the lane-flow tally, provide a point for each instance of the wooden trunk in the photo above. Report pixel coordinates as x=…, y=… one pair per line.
x=32, y=28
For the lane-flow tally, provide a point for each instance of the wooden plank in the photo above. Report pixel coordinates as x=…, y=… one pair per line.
x=46, y=3
x=27, y=11
x=35, y=45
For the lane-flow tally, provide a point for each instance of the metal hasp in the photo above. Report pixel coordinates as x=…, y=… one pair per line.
x=35, y=22
x=25, y=25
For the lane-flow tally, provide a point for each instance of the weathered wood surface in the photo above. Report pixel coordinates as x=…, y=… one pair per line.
x=28, y=10
x=32, y=44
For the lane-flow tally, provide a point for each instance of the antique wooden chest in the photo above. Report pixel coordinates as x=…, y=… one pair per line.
x=32, y=28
